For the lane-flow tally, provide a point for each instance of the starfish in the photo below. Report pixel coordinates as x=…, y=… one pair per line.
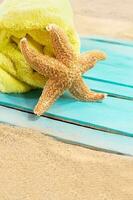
x=64, y=71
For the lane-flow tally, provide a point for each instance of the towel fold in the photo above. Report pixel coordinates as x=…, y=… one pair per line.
x=28, y=19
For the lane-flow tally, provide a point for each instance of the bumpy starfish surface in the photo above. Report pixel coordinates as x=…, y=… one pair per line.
x=64, y=71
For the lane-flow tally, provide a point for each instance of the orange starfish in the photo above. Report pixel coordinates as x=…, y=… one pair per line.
x=64, y=71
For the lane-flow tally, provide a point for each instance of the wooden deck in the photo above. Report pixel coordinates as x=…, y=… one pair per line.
x=107, y=125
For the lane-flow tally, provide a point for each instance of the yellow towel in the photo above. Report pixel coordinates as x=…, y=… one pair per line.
x=29, y=18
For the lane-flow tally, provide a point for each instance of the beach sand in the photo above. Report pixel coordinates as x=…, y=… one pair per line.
x=103, y=17
x=36, y=167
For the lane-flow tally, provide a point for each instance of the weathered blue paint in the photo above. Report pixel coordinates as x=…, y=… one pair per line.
x=69, y=133
x=112, y=119
x=112, y=114
x=118, y=67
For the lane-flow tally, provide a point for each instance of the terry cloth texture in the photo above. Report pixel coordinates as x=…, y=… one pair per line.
x=28, y=19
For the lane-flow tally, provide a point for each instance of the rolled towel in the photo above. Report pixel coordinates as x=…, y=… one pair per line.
x=29, y=19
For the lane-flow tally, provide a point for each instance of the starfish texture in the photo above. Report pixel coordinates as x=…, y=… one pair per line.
x=64, y=71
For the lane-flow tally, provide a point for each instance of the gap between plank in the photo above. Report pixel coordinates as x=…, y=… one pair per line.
x=104, y=129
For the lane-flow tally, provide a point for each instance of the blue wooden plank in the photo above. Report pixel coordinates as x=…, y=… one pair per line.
x=114, y=115
x=111, y=74
x=118, y=67
x=113, y=49
x=116, y=90
x=69, y=133
x=109, y=40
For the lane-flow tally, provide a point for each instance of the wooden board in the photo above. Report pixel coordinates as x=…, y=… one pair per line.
x=111, y=118
x=69, y=133
x=118, y=67
x=112, y=114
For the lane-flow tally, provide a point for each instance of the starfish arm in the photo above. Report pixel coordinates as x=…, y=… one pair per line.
x=89, y=59
x=81, y=92
x=62, y=47
x=43, y=64
x=52, y=90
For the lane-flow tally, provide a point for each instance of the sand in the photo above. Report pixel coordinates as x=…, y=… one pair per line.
x=108, y=18
x=36, y=167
